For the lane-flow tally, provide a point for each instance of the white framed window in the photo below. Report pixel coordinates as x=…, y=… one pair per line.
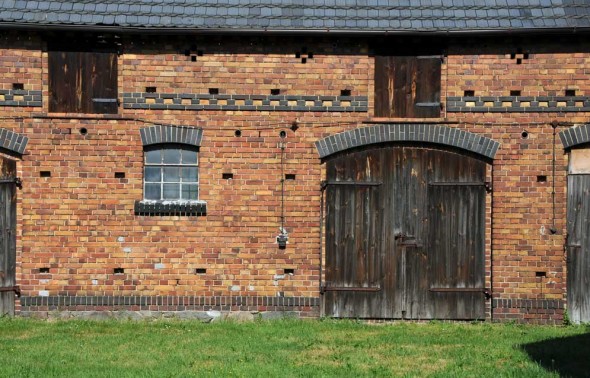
x=171, y=173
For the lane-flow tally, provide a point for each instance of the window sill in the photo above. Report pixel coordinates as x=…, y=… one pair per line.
x=407, y=120
x=181, y=208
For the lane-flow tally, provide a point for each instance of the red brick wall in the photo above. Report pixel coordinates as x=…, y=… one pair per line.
x=80, y=221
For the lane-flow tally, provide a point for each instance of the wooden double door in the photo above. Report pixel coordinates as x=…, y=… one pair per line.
x=404, y=235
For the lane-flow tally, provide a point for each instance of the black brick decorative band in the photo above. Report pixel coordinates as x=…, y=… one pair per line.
x=427, y=133
x=288, y=103
x=172, y=208
x=20, y=97
x=11, y=141
x=575, y=136
x=170, y=303
x=547, y=304
x=518, y=104
x=171, y=134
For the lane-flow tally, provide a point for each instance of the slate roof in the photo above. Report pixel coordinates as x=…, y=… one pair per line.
x=301, y=15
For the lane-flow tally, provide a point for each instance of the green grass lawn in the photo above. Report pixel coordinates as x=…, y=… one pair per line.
x=311, y=348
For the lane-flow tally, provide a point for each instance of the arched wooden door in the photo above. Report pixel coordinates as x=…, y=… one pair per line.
x=404, y=234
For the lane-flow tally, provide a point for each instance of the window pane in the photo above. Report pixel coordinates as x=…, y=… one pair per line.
x=171, y=191
x=171, y=156
x=153, y=157
x=152, y=191
x=190, y=192
x=171, y=174
x=189, y=174
x=189, y=157
x=152, y=174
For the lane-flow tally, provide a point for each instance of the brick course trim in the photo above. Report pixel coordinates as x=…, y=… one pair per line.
x=170, y=303
x=171, y=134
x=575, y=136
x=20, y=97
x=518, y=104
x=428, y=133
x=13, y=142
x=190, y=101
x=549, y=304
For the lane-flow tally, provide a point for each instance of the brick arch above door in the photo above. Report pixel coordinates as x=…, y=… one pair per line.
x=575, y=136
x=425, y=133
x=13, y=143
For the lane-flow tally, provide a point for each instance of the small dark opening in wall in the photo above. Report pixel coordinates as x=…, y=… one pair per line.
x=540, y=274
x=310, y=55
x=151, y=89
x=519, y=61
x=213, y=91
x=303, y=60
x=193, y=58
x=199, y=52
x=275, y=91
x=298, y=55
x=525, y=55
x=43, y=270
x=119, y=175
x=290, y=176
x=45, y=174
x=289, y=271
x=515, y=92
x=570, y=92
x=227, y=176
x=524, y=134
x=238, y=133
x=541, y=178
x=283, y=134
x=200, y=271
x=118, y=270
x=18, y=86
x=469, y=93
x=513, y=55
x=345, y=92
x=83, y=131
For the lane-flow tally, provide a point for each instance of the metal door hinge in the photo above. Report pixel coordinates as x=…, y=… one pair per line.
x=16, y=290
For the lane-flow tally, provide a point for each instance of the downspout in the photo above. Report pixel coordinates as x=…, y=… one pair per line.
x=491, y=293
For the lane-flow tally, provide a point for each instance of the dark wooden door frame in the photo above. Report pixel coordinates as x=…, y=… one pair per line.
x=8, y=285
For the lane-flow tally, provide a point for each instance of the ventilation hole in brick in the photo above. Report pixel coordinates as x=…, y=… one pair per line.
x=238, y=133
x=227, y=176
x=513, y=56
x=200, y=271
x=289, y=271
x=151, y=89
x=18, y=86
x=83, y=131
x=345, y=92
x=45, y=174
x=310, y=55
x=468, y=93
x=118, y=270
x=541, y=178
x=540, y=274
x=303, y=60
x=193, y=58
x=570, y=92
x=283, y=134
x=275, y=91
x=298, y=55
x=213, y=91
x=290, y=176
x=199, y=52
x=519, y=61
x=43, y=270
x=120, y=175
x=515, y=93
x=524, y=134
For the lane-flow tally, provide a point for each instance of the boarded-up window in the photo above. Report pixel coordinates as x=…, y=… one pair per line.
x=83, y=82
x=407, y=86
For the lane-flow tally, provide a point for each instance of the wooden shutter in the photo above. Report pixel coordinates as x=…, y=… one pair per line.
x=407, y=86
x=83, y=82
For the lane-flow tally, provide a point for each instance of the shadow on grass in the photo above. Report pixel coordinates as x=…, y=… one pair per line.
x=567, y=356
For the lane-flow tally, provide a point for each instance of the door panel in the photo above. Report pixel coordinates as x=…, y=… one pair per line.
x=578, y=248
x=7, y=236
x=378, y=247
